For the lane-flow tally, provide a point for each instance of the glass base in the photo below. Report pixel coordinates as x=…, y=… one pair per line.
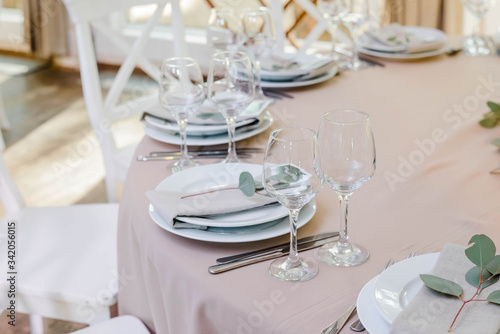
x=231, y=160
x=357, y=65
x=343, y=255
x=182, y=164
x=475, y=47
x=299, y=271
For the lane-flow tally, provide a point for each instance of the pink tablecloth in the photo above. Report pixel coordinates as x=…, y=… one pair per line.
x=432, y=186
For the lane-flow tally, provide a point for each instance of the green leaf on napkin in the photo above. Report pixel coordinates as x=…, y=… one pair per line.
x=442, y=285
x=494, y=297
x=482, y=251
x=247, y=184
x=496, y=142
x=494, y=106
x=489, y=122
x=494, y=265
x=492, y=117
x=472, y=277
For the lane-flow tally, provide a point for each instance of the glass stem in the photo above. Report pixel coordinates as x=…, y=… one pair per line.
x=182, y=130
x=333, y=32
x=260, y=93
x=231, y=149
x=294, y=254
x=344, y=212
x=475, y=27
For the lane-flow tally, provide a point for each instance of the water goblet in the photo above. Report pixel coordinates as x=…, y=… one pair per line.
x=181, y=94
x=290, y=176
x=259, y=39
x=475, y=45
x=347, y=150
x=224, y=29
x=231, y=89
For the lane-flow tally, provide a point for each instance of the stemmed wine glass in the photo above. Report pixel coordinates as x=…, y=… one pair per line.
x=332, y=10
x=231, y=89
x=181, y=93
x=259, y=39
x=290, y=176
x=475, y=45
x=347, y=152
x=224, y=29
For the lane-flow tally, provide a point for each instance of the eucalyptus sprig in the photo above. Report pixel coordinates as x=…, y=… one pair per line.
x=486, y=272
x=246, y=184
x=492, y=117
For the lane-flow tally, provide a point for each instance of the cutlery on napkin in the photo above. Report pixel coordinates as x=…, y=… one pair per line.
x=397, y=40
x=170, y=204
x=433, y=312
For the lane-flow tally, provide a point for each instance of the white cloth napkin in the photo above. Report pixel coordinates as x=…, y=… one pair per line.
x=397, y=39
x=170, y=204
x=433, y=312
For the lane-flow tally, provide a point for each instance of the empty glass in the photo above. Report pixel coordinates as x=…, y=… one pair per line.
x=290, y=176
x=347, y=152
x=181, y=93
x=224, y=29
x=231, y=89
x=475, y=45
x=259, y=39
x=332, y=10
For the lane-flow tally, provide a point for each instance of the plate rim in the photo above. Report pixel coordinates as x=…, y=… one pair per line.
x=286, y=84
x=266, y=122
x=429, y=260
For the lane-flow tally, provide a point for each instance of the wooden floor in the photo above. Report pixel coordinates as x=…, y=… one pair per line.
x=48, y=123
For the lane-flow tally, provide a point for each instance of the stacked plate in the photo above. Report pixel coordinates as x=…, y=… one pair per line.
x=284, y=70
x=207, y=126
x=386, y=295
x=403, y=42
x=260, y=223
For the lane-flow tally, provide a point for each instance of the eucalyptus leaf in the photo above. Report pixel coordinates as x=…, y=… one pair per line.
x=441, y=285
x=496, y=142
x=494, y=265
x=488, y=122
x=247, y=184
x=494, y=297
x=472, y=277
x=482, y=251
x=494, y=106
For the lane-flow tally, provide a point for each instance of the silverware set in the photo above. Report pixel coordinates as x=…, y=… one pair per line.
x=244, y=152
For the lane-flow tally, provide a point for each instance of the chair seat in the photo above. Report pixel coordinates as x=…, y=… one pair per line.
x=125, y=324
x=65, y=254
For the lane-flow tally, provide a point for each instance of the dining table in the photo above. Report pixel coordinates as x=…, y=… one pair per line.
x=432, y=186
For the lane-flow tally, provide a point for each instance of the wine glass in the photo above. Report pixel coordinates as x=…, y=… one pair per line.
x=181, y=93
x=357, y=20
x=231, y=89
x=475, y=45
x=332, y=10
x=347, y=152
x=259, y=39
x=290, y=176
x=224, y=29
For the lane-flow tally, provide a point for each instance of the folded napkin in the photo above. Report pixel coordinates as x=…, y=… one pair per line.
x=209, y=115
x=170, y=204
x=433, y=312
x=280, y=61
x=394, y=38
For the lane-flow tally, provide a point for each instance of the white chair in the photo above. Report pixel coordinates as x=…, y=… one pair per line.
x=125, y=324
x=4, y=121
x=65, y=258
x=88, y=14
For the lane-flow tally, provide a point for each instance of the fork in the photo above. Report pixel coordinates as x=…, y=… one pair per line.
x=356, y=325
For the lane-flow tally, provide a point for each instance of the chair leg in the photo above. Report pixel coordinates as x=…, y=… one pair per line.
x=36, y=324
x=4, y=121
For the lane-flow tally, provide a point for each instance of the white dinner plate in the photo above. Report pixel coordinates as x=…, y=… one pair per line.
x=397, y=285
x=304, y=64
x=404, y=56
x=196, y=179
x=300, y=83
x=430, y=35
x=368, y=311
x=171, y=138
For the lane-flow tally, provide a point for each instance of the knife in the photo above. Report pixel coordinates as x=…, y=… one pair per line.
x=220, y=268
x=271, y=249
x=336, y=326
x=207, y=152
x=195, y=156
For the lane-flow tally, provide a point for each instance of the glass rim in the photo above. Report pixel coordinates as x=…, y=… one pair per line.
x=366, y=117
x=275, y=132
x=184, y=61
x=236, y=56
